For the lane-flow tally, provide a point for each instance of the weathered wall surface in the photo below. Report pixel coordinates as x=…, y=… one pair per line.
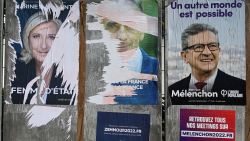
x=248, y=69
x=1, y=57
x=19, y=128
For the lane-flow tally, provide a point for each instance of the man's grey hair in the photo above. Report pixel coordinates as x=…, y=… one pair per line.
x=33, y=21
x=194, y=29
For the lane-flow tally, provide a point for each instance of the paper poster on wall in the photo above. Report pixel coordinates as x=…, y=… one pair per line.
x=129, y=30
x=122, y=127
x=206, y=52
x=207, y=125
x=45, y=52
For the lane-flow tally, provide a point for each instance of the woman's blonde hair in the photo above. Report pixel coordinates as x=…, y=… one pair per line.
x=33, y=21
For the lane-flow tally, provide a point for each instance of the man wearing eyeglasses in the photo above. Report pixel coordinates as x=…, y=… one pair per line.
x=206, y=84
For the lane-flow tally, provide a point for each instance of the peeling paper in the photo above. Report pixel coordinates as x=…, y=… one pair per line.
x=64, y=53
x=12, y=51
x=19, y=27
x=51, y=8
x=12, y=57
x=131, y=15
x=42, y=115
x=116, y=67
x=112, y=72
x=69, y=125
x=29, y=88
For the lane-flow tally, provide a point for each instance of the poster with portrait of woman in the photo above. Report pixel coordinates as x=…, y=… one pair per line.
x=45, y=53
x=122, y=52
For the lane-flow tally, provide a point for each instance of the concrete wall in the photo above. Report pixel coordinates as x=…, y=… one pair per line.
x=1, y=58
x=247, y=121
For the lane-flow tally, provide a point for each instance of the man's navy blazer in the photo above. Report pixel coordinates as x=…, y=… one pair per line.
x=223, y=83
x=149, y=93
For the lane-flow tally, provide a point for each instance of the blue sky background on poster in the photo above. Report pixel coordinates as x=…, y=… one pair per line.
x=231, y=34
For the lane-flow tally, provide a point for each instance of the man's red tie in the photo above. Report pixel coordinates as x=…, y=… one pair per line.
x=200, y=85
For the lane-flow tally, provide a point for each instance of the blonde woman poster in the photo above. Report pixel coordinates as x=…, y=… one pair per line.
x=40, y=75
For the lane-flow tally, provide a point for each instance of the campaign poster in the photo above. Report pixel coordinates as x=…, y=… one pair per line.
x=206, y=52
x=126, y=34
x=122, y=127
x=45, y=52
x=207, y=125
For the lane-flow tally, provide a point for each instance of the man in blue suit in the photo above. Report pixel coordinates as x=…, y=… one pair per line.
x=206, y=84
x=137, y=60
x=134, y=24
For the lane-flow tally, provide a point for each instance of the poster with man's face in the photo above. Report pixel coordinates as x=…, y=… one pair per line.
x=122, y=42
x=45, y=50
x=206, y=52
